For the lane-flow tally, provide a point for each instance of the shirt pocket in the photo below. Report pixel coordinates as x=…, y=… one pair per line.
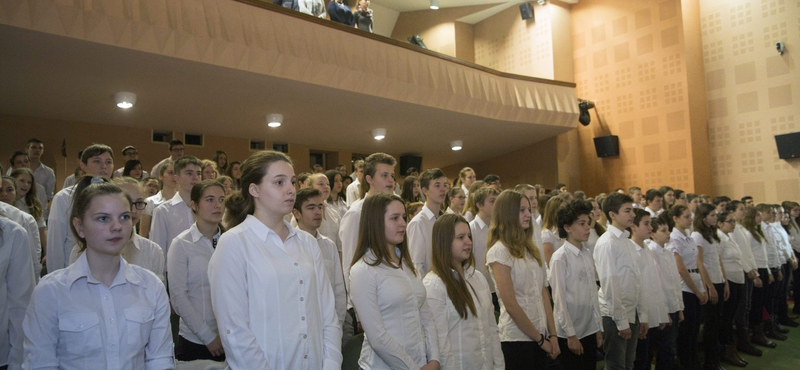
x=80, y=332
x=139, y=322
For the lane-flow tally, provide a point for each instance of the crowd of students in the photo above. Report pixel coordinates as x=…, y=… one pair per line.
x=268, y=269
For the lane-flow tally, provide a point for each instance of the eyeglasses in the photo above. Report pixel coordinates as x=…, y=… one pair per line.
x=177, y=149
x=140, y=205
x=729, y=222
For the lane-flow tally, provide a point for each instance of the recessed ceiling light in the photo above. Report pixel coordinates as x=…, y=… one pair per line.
x=456, y=145
x=274, y=120
x=379, y=133
x=125, y=99
x=541, y=2
x=434, y=4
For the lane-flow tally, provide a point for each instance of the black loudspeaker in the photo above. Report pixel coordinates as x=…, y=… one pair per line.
x=607, y=146
x=788, y=145
x=526, y=10
x=408, y=161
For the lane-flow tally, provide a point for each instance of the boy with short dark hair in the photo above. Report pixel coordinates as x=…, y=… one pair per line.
x=174, y=216
x=655, y=202
x=433, y=184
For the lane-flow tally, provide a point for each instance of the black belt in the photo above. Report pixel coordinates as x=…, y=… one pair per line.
x=694, y=271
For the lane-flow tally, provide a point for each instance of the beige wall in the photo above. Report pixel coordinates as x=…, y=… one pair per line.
x=437, y=28
x=753, y=94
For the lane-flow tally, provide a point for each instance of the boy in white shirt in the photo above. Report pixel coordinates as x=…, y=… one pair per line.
x=576, y=308
x=652, y=285
x=353, y=191
x=174, y=216
x=655, y=202
x=433, y=184
x=622, y=299
x=636, y=194
x=308, y=210
x=484, y=200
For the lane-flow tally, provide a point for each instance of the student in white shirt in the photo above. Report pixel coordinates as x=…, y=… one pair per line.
x=309, y=208
x=411, y=192
x=208, y=170
x=31, y=232
x=97, y=161
x=693, y=200
x=19, y=160
x=714, y=280
x=576, y=308
x=655, y=201
x=663, y=342
x=99, y=312
x=774, y=262
x=8, y=190
x=484, y=200
x=751, y=224
x=731, y=256
x=44, y=175
x=668, y=194
x=15, y=290
x=466, y=177
x=469, y=208
x=235, y=173
x=387, y=293
x=742, y=238
x=190, y=295
x=336, y=199
x=529, y=191
x=129, y=153
x=272, y=300
x=434, y=187
x=176, y=150
x=635, y=193
x=652, y=283
x=330, y=219
x=793, y=209
x=551, y=242
x=353, y=191
x=174, y=216
x=460, y=302
x=28, y=200
x=596, y=229
x=526, y=322
x=169, y=187
x=455, y=201
x=151, y=187
x=789, y=262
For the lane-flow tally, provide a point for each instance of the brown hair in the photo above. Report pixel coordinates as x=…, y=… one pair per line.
x=94, y=150
x=31, y=199
x=444, y=231
x=86, y=190
x=372, y=235
x=407, y=191
x=240, y=203
x=550, y=213
x=507, y=229
x=749, y=223
x=471, y=205
x=462, y=175
x=370, y=167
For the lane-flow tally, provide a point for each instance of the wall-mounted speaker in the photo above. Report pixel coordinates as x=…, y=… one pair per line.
x=526, y=10
x=607, y=146
x=408, y=161
x=788, y=145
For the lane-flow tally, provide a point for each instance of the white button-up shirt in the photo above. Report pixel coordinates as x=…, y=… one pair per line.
x=742, y=237
x=273, y=303
x=711, y=258
x=771, y=245
x=333, y=270
x=340, y=206
x=621, y=293
x=69, y=181
x=32, y=229
x=353, y=192
x=528, y=278
x=480, y=237
x=551, y=236
x=399, y=329
x=782, y=241
x=189, y=290
x=420, y=233
x=138, y=251
x=76, y=322
x=47, y=177
x=731, y=257
x=653, y=213
x=576, y=308
x=15, y=290
x=348, y=233
x=658, y=311
x=169, y=220
x=59, y=236
x=157, y=168
x=670, y=278
x=153, y=203
x=330, y=226
x=465, y=344
x=683, y=245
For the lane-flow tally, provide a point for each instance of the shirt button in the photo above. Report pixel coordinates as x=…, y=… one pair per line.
x=301, y=281
x=295, y=263
x=80, y=326
x=113, y=346
x=111, y=321
x=228, y=331
x=303, y=318
x=305, y=356
x=301, y=299
x=304, y=336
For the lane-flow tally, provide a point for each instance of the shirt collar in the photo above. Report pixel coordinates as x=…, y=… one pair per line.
x=677, y=233
x=80, y=269
x=428, y=213
x=617, y=232
x=722, y=236
x=196, y=235
x=655, y=247
x=262, y=231
x=480, y=222
x=571, y=247
x=176, y=199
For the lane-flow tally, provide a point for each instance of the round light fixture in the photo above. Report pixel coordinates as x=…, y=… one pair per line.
x=434, y=4
x=274, y=120
x=379, y=133
x=456, y=145
x=125, y=99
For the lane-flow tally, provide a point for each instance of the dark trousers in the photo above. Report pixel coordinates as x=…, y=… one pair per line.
x=712, y=325
x=729, y=308
x=523, y=355
x=189, y=351
x=743, y=311
x=760, y=297
x=688, y=331
x=620, y=353
x=782, y=292
x=586, y=361
x=796, y=276
x=495, y=302
x=661, y=342
x=772, y=293
x=643, y=358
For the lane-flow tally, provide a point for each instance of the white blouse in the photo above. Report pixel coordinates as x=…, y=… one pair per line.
x=576, y=308
x=15, y=290
x=465, y=344
x=399, y=329
x=731, y=258
x=92, y=326
x=138, y=251
x=273, y=303
x=671, y=280
x=710, y=257
x=652, y=284
x=742, y=238
x=686, y=247
x=772, y=250
x=529, y=279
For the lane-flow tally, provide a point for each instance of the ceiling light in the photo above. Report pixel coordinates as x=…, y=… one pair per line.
x=379, y=133
x=456, y=145
x=434, y=4
x=274, y=120
x=541, y=2
x=124, y=99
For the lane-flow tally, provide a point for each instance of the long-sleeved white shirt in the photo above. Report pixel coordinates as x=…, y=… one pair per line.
x=333, y=270
x=157, y=168
x=670, y=278
x=189, y=290
x=169, y=220
x=658, y=311
x=771, y=245
x=794, y=236
x=465, y=344
x=153, y=203
x=15, y=290
x=59, y=236
x=273, y=303
x=76, y=322
x=742, y=238
x=353, y=193
x=621, y=293
x=480, y=237
x=551, y=236
x=528, y=279
x=314, y=8
x=138, y=251
x=420, y=233
x=399, y=329
x=348, y=233
x=731, y=256
x=711, y=259
x=47, y=177
x=576, y=308
x=684, y=246
x=32, y=231
x=782, y=240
